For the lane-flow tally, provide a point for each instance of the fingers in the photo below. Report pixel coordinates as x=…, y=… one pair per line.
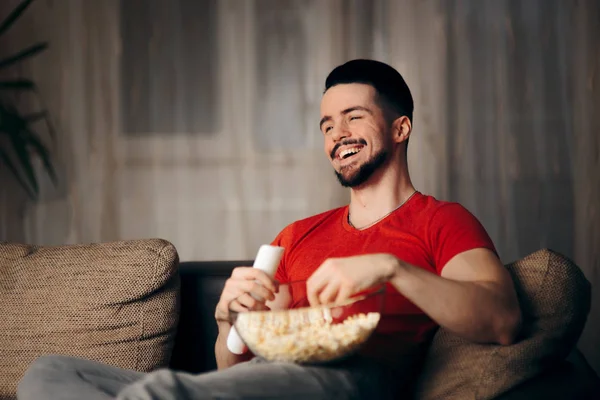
x=235, y=305
x=313, y=288
x=258, y=291
x=316, y=283
x=330, y=283
x=329, y=293
x=243, y=302
x=247, y=289
x=248, y=273
x=323, y=284
x=250, y=303
x=343, y=294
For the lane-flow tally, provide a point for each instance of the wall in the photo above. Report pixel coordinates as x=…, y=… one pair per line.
x=505, y=122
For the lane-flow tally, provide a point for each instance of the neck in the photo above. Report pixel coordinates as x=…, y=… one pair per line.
x=385, y=190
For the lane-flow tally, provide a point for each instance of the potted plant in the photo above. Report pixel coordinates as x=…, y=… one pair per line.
x=19, y=143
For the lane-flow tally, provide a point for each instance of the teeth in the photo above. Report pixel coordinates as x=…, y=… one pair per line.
x=346, y=152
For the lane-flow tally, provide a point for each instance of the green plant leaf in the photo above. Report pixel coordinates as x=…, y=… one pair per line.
x=22, y=141
x=23, y=54
x=11, y=123
x=8, y=162
x=18, y=84
x=14, y=15
x=39, y=147
x=20, y=148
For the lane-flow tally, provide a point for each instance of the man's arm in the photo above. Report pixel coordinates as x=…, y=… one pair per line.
x=474, y=297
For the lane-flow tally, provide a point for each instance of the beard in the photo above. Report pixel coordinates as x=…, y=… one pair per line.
x=364, y=171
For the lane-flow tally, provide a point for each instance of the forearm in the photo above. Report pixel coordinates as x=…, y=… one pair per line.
x=478, y=311
x=224, y=357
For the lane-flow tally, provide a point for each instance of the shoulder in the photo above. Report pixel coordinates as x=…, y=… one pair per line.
x=435, y=209
x=452, y=229
x=447, y=218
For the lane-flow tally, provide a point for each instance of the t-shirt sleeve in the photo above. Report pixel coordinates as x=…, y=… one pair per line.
x=453, y=230
x=282, y=240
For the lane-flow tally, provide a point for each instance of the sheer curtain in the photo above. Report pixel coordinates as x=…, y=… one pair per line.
x=131, y=168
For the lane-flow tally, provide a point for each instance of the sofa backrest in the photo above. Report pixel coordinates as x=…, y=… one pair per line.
x=201, y=286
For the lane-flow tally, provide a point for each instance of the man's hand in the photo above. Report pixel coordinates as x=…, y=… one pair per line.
x=247, y=289
x=339, y=278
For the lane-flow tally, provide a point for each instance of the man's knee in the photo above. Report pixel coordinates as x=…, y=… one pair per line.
x=40, y=369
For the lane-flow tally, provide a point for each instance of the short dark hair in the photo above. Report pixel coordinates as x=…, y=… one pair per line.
x=392, y=90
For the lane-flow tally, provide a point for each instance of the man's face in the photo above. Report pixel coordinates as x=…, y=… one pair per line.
x=357, y=139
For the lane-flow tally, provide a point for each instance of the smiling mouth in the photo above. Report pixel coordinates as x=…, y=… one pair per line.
x=347, y=153
x=349, y=149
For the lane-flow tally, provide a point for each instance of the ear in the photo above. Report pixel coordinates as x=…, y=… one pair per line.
x=401, y=129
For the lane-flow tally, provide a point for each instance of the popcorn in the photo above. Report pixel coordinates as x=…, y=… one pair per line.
x=303, y=335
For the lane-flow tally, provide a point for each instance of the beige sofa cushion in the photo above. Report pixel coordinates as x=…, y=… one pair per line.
x=113, y=302
x=555, y=300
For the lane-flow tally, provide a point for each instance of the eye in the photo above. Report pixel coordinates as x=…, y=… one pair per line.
x=327, y=129
x=352, y=118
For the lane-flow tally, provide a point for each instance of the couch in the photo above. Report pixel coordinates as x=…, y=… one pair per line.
x=134, y=305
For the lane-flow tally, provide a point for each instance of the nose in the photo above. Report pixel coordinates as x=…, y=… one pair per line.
x=340, y=132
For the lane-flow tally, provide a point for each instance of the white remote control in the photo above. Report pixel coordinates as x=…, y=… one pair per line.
x=267, y=260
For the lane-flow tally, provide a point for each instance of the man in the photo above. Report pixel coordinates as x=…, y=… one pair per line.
x=439, y=265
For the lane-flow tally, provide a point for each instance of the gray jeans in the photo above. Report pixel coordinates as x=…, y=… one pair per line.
x=62, y=377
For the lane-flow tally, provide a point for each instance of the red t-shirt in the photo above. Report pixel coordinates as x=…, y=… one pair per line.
x=424, y=232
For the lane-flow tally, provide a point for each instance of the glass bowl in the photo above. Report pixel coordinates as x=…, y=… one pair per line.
x=304, y=334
